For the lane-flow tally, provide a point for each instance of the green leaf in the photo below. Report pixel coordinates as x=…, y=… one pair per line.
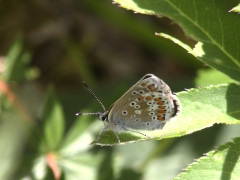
x=208, y=22
x=77, y=135
x=17, y=62
x=53, y=118
x=81, y=166
x=201, y=108
x=13, y=64
x=223, y=163
x=14, y=132
x=80, y=125
x=211, y=77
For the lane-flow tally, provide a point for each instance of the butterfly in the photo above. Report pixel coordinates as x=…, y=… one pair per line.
x=147, y=105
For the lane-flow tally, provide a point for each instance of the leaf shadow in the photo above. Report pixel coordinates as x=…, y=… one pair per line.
x=230, y=162
x=233, y=109
x=232, y=98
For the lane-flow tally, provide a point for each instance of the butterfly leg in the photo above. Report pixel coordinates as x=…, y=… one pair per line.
x=103, y=129
x=117, y=137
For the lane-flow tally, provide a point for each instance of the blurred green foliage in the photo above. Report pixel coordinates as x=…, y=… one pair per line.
x=49, y=47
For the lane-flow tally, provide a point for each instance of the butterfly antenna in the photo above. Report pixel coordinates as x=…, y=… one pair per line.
x=79, y=114
x=91, y=91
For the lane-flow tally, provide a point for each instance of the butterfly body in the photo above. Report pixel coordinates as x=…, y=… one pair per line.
x=146, y=106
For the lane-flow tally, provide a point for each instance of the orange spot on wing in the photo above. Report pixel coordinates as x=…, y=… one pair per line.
x=160, y=103
x=140, y=98
x=156, y=99
x=154, y=90
x=162, y=111
x=148, y=98
x=160, y=118
x=150, y=86
x=143, y=84
x=161, y=107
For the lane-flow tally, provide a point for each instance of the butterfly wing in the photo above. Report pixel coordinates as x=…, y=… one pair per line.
x=147, y=105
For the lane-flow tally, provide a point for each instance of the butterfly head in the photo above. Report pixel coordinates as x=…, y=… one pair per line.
x=103, y=116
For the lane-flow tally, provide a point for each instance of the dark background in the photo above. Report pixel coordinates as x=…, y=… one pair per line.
x=110, y=48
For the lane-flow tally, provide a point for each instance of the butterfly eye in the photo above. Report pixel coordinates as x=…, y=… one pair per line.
x=124, y=112
x=104, y=118
x=134, y=93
